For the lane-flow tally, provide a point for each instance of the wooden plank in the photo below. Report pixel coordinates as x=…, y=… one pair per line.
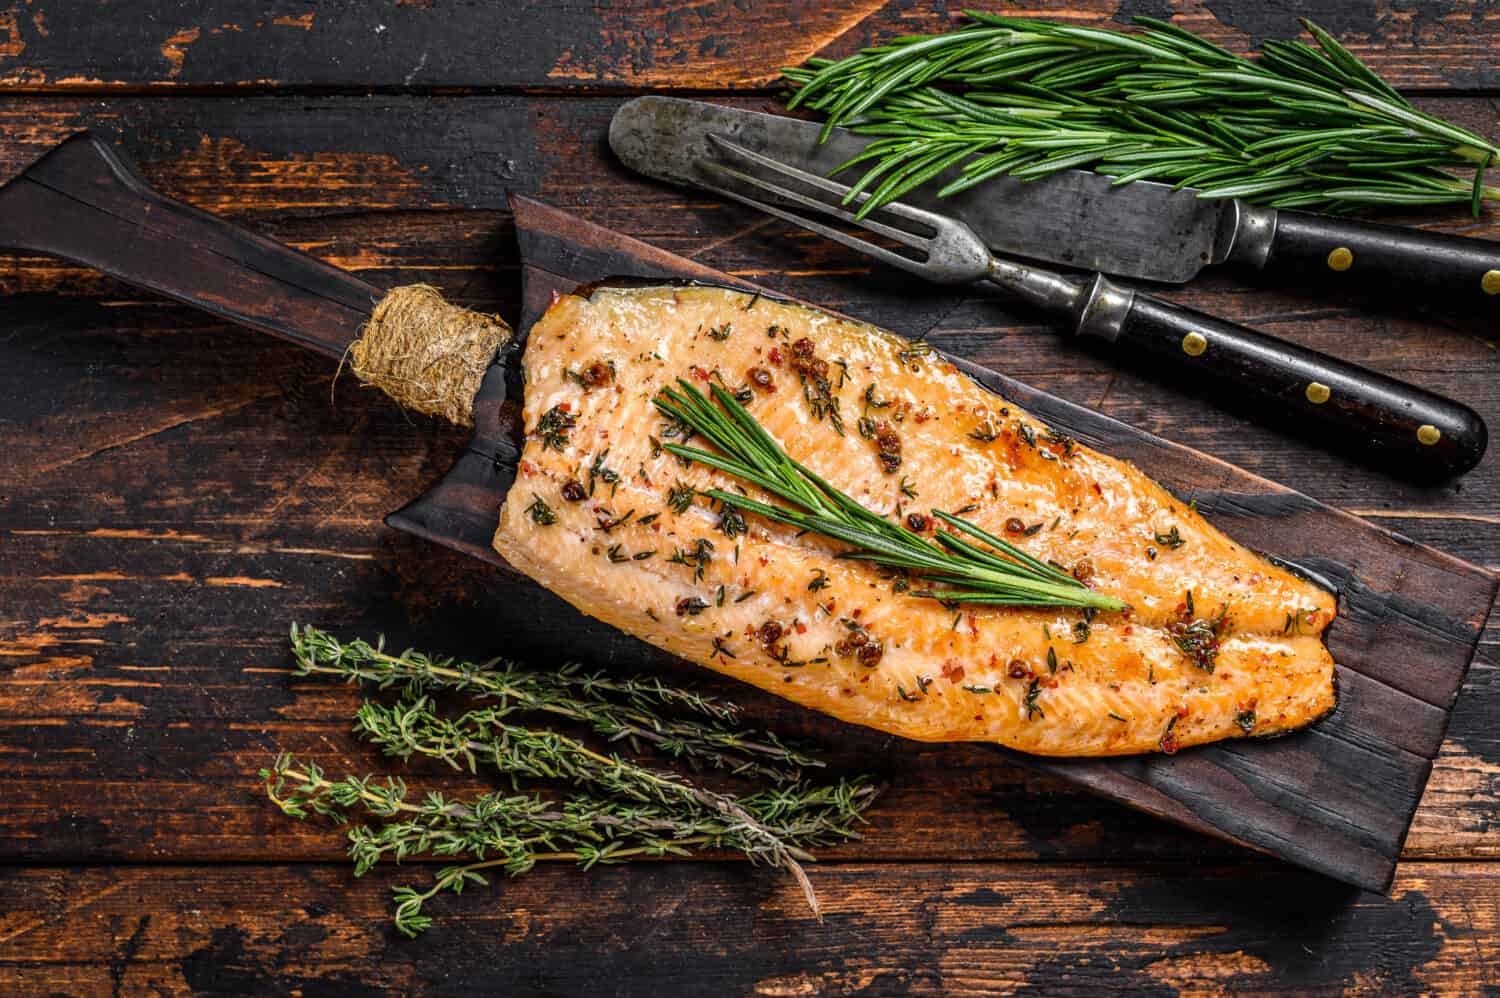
x=1318, y=798
x=670, y=929
x=175, y=491
x=717, y=44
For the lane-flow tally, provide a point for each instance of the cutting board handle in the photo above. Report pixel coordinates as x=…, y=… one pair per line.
x=82, y=203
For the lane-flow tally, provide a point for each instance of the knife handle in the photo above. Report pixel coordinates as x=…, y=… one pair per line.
x=1454, y=273
x=1401, y=428
x=82, y=203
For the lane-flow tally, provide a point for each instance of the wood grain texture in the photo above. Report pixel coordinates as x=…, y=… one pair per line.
x=711, y=44
x=693, y=929
x=174, y=490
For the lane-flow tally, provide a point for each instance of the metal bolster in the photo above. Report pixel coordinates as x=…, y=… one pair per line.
x=1104, y=312
x=1250, y=233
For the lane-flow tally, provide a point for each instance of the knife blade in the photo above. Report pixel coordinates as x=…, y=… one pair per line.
x=1079, y=219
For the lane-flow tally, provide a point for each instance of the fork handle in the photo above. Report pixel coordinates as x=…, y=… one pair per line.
x=1398, y=427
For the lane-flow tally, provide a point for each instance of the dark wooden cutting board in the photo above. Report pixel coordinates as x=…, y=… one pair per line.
x=1337, y=798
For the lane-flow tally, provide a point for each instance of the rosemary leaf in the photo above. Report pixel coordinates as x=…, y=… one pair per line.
x=1030, y=97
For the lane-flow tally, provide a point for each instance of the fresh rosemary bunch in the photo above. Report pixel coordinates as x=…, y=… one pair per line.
x=963, y=571
x=1303, y=127
x=617, y=811
x=615, y=709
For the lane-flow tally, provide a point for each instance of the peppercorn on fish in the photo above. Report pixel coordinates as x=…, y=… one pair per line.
x=1216, y=642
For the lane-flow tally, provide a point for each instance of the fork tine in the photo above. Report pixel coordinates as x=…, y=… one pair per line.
x=853, y=242
x=896, y=208
x=899, y=235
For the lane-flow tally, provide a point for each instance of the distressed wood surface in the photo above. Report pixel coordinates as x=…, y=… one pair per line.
x=697, y=929
x=719, y=44
x=174, y=491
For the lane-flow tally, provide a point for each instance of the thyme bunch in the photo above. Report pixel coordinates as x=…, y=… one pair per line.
x=617, y=810
x=628, y=709
x=1000, y=574
x=1304, y=126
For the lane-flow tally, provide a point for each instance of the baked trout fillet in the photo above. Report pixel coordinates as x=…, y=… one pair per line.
x=1216, y=642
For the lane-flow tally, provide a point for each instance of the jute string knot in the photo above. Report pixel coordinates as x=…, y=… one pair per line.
x=426, y=353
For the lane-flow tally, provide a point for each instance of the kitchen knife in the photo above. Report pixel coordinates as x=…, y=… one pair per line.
x=1144, y=230
x=1396, y=426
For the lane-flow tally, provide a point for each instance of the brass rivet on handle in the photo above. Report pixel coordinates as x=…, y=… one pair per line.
x=1490, y=282
x=1341, y=259
x=1193, y=344
x=1317, y=392
x=1428, y=434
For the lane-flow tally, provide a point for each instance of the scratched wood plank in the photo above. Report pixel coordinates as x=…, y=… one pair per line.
x=1337, y=797
x=215, y=489
x=724, y=929
x=714, y=44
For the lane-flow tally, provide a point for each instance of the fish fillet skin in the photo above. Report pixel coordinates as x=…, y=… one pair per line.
x=1039, y=680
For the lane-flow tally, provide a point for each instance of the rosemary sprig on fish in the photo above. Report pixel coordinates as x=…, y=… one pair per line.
x=956, y=569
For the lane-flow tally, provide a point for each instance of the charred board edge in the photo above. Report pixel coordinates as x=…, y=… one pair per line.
x=1337, y=798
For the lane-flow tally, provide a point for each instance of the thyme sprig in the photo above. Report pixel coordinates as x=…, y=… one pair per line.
x=515, y=831
x=1305, y=126
x=616, y=810
x=615, y=709
x=960, y=570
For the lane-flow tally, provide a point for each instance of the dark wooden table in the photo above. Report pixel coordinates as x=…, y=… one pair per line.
x=174, y=492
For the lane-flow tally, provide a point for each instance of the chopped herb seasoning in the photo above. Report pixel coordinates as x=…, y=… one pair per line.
x=1117, y=717
x=697, y=558
x=812, y=371
x=871, y=401
x=1027, y=434
x=554, y=426
x=616, y=554
x=541, y=514
x=985, y=432
x=720, y=648
x=819, y=581
x=747, y=594
x=731, y=521
x=1172, y=539
x=1032, y=707
x=914, y=351
x=1150, y=554
x=909, y=698
x=866, y=427
x=680, y=497
x=1081, y=631
x=977, y=689
x=598, y=472
x=964, y=510
x=907, y=488
x=1246, y=720
x=1061, y=442
x=608, y=521
x=774, y=331
x=1051, y=659
x=1198, y=638
x=648, y=518
x=923, y=682
x=690, y=606
x=719, y=597
x=1168, y=742
x=721, y=333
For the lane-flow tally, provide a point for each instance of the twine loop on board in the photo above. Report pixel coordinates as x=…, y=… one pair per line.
x=427, y=353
